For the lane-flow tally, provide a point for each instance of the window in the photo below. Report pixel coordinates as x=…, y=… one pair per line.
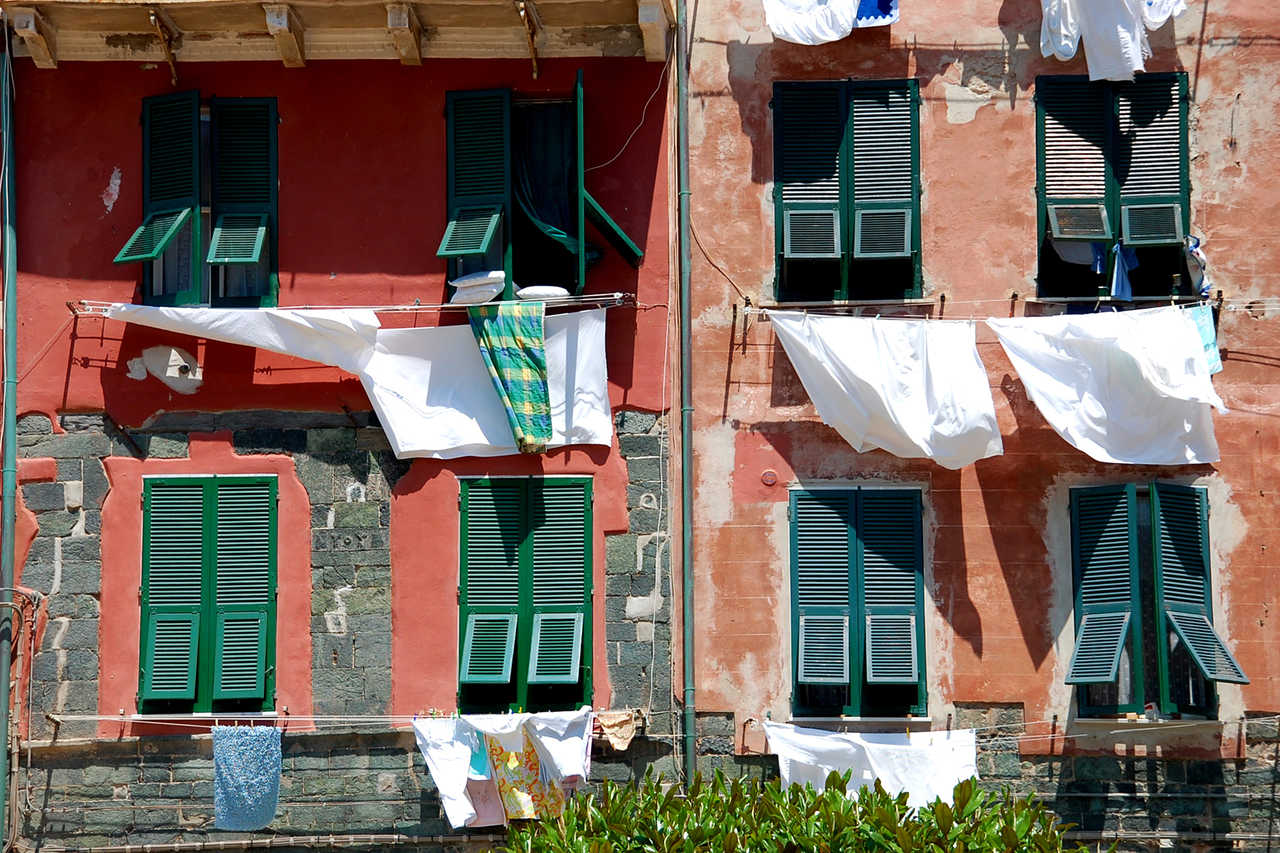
x=517, y=197
x=208, y=594
x=1112, y=169
x=857, y=593
x=525, y=594
x=847, y=190
x=1144, y=614
x=209, y=225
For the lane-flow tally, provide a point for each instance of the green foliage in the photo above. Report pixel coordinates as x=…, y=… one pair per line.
x=748, y=816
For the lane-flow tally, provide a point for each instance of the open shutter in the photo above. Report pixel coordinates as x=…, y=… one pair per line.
x=809, y=123
x=821, y=528
x=1073, y=119
x=588, y=209
x=1180, y=519
x=479, y=176
x=492, y=533
x=889, y=545
x=1151, y=159
x=245, y=587
x=561, y=544
x=170, y=190
x=172, y=575
x=885, y=169
x=579, y=199
x=1104, y=546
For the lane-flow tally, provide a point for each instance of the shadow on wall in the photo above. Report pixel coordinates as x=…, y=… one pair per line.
x=1001, y=69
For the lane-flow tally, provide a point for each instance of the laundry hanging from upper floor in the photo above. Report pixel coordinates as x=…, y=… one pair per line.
x=1114, y=32
x=915, y=388
x=814, y=22
x=429, y=386
x=247, y=766
x=1130, y=387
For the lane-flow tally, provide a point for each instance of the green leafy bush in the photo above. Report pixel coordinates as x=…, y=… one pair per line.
x=747, y=816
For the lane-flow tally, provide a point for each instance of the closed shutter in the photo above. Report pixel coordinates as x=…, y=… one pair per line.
x=1074, y=119
x=244, y=603
x=1151, y=157
x=244, y=197
x=885, y=169
x=479, y=171
x=821, y=530
x=1180, y=520
x=492, y=537
x=809, y=127
x=172, y=579
x=561, y=542
x=1104, y=548
x=889, y=551
x=170, y=185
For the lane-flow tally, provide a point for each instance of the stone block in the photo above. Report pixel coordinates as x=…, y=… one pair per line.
x=169, y=445
x=617, y=585
x=361, y=601
x=717, y=745
x=45, y=667
x=34, y=425
x=95, y=484
x=333, y=652
x=42, y=497
x=38, y=574
x=81, y=549
x=624, y=632
x=316, y=477
x=373, y=650
x=74, y=606
x=634, y=422
x=646, y=469
x=268, y=440
x=92, y=522
x=68, y=446
x=74, y=495
x=80, y=664
x=57, y=523
x=81, y=577
x=320, y=517
x=331, y=441
x=181, y=422
x=350, y=539
x=620, y=554
x=644, y=520
x=356, y=514
x=640, y=445
x=639, y=654
x=70, y=469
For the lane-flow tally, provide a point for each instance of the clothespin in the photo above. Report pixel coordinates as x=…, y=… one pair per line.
x=908, y=728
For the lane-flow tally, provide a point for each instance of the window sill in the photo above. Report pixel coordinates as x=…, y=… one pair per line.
x=1107, y=300
x=911, y=722
x=842, y=303
x=1122, y=725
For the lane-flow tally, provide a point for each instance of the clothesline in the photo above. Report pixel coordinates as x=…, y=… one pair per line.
x=602, y=300
x=842, y=308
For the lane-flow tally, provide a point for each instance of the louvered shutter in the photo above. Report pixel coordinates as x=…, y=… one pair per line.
x=885, y=169
x=1180, y=520
x=244, y=602
x=821, y=530
x=479, y=171
x=170, y=184
x=889, y=556
x=1151, y=159
x=809, y=127
x=492, y=534
x=244, y=183
x=561, y=544
x=172, y=579
x=1104, y=546
x=1074, y=119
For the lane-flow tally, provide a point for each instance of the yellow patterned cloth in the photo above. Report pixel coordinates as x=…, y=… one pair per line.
x=525, y=793
x=512, y=341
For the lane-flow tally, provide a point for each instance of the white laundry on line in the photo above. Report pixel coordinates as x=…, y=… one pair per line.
x=1130, y=387
x=915, y=388
x=1114, y=32
x=429, y=387
x=813, y=22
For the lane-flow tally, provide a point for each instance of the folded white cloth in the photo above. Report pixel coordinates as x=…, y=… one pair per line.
x=563, y=741
x=447, y=744
x=1130, y=387
x=926, y=765
x=915, y=388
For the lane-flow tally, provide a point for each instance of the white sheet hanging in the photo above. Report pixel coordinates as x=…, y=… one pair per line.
x=428, y=386
x=1130, y=387
x=1114, y=32
x=812, y=22
x=915, y=388
x=926, y=765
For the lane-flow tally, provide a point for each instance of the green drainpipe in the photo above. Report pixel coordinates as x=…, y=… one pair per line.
x=686, y=389
x=10, y=470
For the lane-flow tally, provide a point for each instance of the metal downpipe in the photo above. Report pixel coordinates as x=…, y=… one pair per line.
x=686, y=389
x=10, y=451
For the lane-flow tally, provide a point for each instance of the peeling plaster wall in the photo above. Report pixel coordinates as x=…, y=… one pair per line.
x=1000, y=621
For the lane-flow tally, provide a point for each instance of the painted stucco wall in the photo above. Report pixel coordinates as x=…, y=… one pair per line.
x=998, y=615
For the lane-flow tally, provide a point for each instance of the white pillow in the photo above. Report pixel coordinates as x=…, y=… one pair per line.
x=477, y=293
x=544, y=291
x=478, y=279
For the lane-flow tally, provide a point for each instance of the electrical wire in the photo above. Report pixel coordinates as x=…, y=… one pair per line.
x=643, y=113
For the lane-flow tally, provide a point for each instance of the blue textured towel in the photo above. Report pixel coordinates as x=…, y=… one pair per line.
x=877, y=13
x=246, y=776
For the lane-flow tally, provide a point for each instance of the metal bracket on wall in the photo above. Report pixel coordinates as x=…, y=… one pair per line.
x=532, y=26
x=167, y=33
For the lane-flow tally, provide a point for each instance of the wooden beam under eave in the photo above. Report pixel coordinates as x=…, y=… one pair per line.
x=406, y=33
x=40, y=38
x=655, y=27
x=286, y=27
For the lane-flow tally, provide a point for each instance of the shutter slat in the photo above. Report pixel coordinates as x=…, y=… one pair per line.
x=556, y=650
x=175, y=544
x=1074, y=118
x=479, y=145
x=824, y=649
x=891, y=648
x=487, y=648
x=244, y=543
x=170, y=645
x=809, y=133
x=242, y=135
x=240, y=659
x=891, y=559
x=1099, y=642
x=882, y=161
x=495, y=518
x=1150, y=126
x=1211, y=655
x=238, y=239
x=1104, y=555
x=171, y=140
x=153, y=236
x=822, y=549
x=558, y=518
x=1182, y=545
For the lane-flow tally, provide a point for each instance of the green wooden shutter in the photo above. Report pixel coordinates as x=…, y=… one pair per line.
x=561, y=537
x=892, y=580
x=1104, y=555
x=170, y=188
x=1073, y=129
x=1180, y=521
x=821, y=530
x=492, y=536
x=479, y=172
x=244, y=194
x=885, y=173
x=244, y=605
x=588, y=209
x=1151, y=159
x=809, y=129
x=172, y=576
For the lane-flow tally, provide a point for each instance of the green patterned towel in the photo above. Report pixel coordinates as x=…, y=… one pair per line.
x=511, y=340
